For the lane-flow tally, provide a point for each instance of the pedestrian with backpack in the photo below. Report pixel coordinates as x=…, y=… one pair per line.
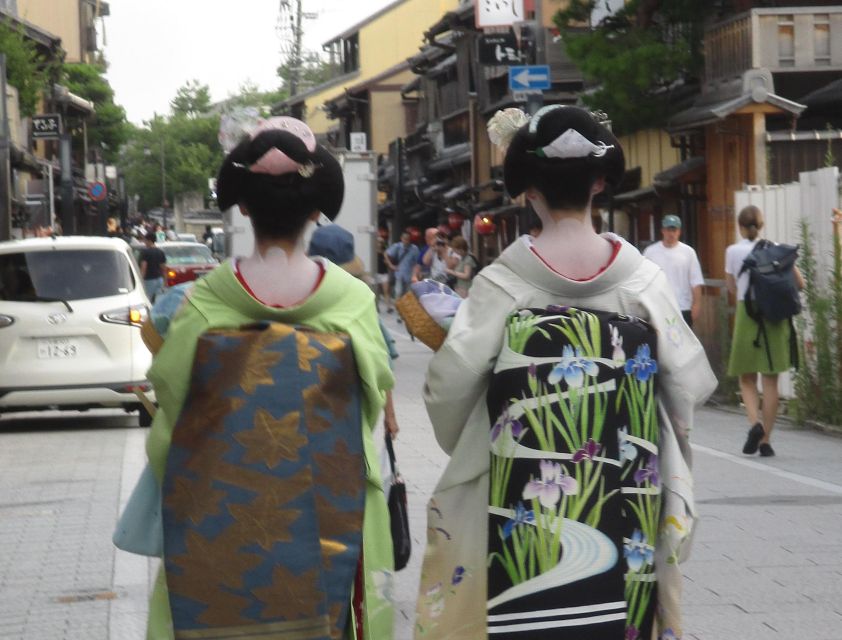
x=765, y=281
x=563, y=393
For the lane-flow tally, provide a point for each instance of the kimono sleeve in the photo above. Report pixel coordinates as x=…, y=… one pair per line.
x=686, y=381
x=459, y=371
x=170, y=377
x=686, y=378
x=373, y=362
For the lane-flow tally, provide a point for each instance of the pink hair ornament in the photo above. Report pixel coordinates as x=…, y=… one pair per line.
x=275, y=162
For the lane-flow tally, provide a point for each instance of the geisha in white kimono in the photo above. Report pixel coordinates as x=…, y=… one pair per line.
x=568, y=264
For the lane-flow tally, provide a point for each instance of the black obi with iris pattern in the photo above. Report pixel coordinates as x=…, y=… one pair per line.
x=575, y=493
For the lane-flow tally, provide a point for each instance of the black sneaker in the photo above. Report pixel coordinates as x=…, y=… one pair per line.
x=766, y=450
x=753, y=439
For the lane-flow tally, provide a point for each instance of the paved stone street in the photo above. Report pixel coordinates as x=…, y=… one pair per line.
x=767, y=560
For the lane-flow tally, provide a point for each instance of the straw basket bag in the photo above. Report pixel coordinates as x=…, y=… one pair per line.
x=419, y=322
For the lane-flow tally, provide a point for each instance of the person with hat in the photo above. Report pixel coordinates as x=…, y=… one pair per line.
x=560, y=159
x=334, y=243
x=253, y=544
x=680, y=264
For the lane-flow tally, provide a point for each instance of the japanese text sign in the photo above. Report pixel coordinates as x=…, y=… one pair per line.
x=498, y=13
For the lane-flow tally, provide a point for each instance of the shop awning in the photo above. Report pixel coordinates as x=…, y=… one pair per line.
x=442, y=67
x=456, y=192
x=504, y=210
x=676, y=173
x=636, y=195
x=423, y=214
x=451, y=157
x=704, y=114
x=431, y=54
x=828, y=96
x=386, y=173
x=24, y=160
x=412, y=85
x=435, y=190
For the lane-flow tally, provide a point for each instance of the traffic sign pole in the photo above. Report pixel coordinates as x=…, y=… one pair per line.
x=534, y=102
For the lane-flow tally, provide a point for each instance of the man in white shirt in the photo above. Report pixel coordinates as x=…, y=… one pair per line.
x=681, y=266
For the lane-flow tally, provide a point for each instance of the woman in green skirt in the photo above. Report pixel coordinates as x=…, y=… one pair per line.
x=754, y=352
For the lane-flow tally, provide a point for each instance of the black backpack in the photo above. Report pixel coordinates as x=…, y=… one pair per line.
x=772, y=294
x=772, y=290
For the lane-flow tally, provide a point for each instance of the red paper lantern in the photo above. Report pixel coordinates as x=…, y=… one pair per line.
x=484, y=225
x=454, y=221
x=415, y=234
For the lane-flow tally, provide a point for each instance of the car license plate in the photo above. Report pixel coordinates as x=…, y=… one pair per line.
x=58, y=348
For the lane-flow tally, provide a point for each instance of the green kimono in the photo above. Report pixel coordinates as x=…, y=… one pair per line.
x=340, y=304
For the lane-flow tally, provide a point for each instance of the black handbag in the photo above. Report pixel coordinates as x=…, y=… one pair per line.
x=398, y=515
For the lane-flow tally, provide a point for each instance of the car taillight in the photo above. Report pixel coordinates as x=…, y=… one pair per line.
x=131, y=388
x=6, y=321
x=135, y=315
x=172, y=277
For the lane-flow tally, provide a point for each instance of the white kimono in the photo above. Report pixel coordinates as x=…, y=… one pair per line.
x=452, y=597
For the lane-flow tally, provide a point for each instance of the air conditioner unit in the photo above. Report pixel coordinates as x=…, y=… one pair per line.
x=90, y=38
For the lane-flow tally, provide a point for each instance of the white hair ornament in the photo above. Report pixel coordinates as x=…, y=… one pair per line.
x=572, y=144
x=504, y=125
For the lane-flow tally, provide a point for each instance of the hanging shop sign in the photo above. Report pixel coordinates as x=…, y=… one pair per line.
x=498, y=13
x=499, y=49
x=46, y=126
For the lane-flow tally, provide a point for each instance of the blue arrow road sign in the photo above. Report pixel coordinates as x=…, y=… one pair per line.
x=529, y=78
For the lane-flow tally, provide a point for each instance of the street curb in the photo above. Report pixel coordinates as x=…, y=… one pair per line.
x=829, y=429
x=814, y=425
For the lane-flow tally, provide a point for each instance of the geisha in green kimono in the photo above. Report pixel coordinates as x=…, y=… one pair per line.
x=233, y=569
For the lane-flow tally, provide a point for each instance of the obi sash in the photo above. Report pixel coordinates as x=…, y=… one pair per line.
x=264, y=487
x=574, y=492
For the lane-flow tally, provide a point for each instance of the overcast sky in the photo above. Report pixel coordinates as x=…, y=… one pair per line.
x=154, y=46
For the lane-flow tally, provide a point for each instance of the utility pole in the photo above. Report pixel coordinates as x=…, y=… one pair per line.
x=68, y=215
x=536, y=100
x=163, y=186
x=399, y=222
x=5, y=167
x=540, y=34
x=295, y=70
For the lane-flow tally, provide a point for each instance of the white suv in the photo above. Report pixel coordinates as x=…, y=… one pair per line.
x=70, y=316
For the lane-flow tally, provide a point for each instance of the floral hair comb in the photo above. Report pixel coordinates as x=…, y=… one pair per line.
x=274, y=162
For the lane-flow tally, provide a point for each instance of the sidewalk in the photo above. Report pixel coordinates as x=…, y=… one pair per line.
x=767, y=556
x=766, y=564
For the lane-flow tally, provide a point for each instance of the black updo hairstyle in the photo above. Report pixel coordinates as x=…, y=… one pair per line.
x=279, y=206
x=565, y=183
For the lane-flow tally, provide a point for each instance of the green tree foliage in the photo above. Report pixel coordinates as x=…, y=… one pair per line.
x=250, y=95
x=637, y=56
x=191, y=150
x=312, y=71
x=108, y=130
x=26, y=69
x=191, y=100
x=818, y=381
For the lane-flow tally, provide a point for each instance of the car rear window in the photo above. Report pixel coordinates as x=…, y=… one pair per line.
x=198, y=254
x=64, y=275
